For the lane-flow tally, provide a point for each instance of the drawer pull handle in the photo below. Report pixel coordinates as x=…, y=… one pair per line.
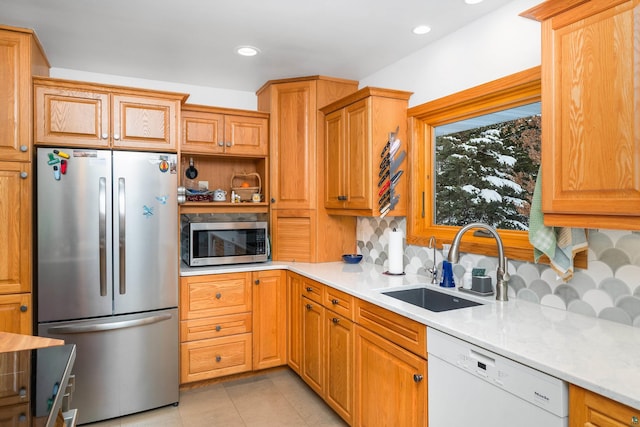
x=309, y=289
x=309, y=306
x=634, y=420
x=218, y=295
x=335, y=320
x=257, y=281
x=218, y=358
x=417, y=378
x=342, y=198
x=218, y=327
x=335, y=301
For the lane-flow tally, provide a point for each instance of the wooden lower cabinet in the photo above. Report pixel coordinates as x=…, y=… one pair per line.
x=313, y=345
x=391, y=383
x=269, y=319
x=15, y=389
x=15, y=313
x=217, y=357
x=294, y=322
x=588, y=409
x=339, y=368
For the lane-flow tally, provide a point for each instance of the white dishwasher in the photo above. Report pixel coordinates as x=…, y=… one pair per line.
x=470, y=386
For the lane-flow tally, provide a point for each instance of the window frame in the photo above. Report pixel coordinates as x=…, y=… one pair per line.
x=511, y=91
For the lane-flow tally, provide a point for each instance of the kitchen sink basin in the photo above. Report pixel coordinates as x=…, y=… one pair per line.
x=430, y=299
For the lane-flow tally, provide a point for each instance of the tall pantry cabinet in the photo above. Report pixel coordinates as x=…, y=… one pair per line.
x=21, y=57
x=301, y=228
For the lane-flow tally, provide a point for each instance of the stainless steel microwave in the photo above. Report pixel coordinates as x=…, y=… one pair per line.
x=220, y=243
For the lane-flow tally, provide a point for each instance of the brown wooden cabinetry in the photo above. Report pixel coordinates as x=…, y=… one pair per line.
x=297, y=156
x=357, y=129
x=21, y=57
x=210, y=130
x=590, y=113
x=76, y=114
x=269, y=319
x=15, y=389
x=588, y=409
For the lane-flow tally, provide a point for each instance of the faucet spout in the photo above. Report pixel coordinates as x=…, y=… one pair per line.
x=502, y=276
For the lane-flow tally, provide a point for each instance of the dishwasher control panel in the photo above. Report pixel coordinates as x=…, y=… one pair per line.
x=536, y=387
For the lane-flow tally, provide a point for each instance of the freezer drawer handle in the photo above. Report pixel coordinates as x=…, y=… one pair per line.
x=122, y=238
x=102, y=236
x=81, y=329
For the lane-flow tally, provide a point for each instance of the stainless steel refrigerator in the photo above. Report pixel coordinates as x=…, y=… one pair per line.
x=107, y=274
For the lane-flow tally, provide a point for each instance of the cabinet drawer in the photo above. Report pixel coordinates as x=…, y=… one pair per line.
x=398, y=329
x=213, y=327
x=313, y=290
x=215, y=357
x=340, y=302
x=214, y=295
x=15, y=387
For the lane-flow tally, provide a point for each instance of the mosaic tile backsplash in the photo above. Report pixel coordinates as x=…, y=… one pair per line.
x=609, y=288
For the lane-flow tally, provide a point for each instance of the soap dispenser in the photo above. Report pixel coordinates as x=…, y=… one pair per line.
x=467, y=277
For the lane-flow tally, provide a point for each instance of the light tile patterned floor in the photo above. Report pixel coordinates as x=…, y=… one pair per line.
x=276, y=398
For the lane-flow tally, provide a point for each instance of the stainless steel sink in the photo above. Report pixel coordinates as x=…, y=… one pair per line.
x=430, y=299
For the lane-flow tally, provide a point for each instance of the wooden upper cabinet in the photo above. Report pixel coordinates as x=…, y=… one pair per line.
x=590, y=112
x=211, y=130
x=20, y=57
x=78, y=114
x=357, y=130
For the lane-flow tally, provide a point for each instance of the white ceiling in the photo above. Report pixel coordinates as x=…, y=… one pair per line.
x=193, y=41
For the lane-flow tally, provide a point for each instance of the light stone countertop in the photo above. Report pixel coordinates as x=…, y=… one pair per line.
x=599, y=355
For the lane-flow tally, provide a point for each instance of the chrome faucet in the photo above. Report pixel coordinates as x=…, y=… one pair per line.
x=502, y=277
x=433, y=270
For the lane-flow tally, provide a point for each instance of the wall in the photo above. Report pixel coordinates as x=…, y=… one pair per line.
x=200, y=95
x=495, y=46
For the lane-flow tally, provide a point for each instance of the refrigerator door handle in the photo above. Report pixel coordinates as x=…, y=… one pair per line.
x=121, y=234
x=103, y=234
x=102, y=327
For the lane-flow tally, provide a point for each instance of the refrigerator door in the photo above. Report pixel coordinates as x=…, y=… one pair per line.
x=145, y=231
x=74, y=234
x=124, y=364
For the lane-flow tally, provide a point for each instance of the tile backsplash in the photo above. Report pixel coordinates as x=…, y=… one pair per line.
x=609, y=288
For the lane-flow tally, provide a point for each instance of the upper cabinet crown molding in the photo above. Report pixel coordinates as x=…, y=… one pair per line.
x=590, y=112
x=71, y=113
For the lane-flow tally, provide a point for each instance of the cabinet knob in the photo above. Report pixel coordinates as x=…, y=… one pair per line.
x=24, y=175
x=22, y=418
x=335, y=301
x=24, y=148
x=220, y=143
x=273, y=200
x=634, y=420
x=22, y=392
x=335, y=320
x=24, y=308
x=105, y=135
x=257, y=281
x=309, y=289
x=218, y=327
x=229, y=143
x=417, y=378
x=309, y=306
x=218, y=358
x=218, y=295
x=116, y=136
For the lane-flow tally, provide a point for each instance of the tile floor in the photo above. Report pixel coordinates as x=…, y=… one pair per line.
x=276, y=398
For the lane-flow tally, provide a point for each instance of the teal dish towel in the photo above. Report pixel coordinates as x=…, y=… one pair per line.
x=560, y=244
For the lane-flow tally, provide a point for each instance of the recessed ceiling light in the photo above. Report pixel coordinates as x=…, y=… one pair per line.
x=247, y=50
x=472, y=1
x=421, y=29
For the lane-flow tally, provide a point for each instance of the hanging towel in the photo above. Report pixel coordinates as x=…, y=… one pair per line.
x=560, y=244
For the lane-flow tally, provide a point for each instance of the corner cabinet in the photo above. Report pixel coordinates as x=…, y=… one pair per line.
x=590, y=112
x=357, y=131
x=588, y=409
x=299, y=223
x=21, y=57
x=77, y=114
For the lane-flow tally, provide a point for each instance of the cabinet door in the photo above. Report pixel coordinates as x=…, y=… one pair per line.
x=217, y=357
x=15, y=227
x=590, y=114
x=214, y=295
x=69, y=117
x=294, y=322
x=391, y=383
x=269, y=319
x=293, y=236
x=15, y=119
x=15, y=383
x=293, y=145
x=247, y=136
x=358, y=155
x=145, y=123
x=588, y=409
x=16, y=314
x=335, y=192
x=339, y=382
x=16, y=415
x=202, y=132
x=313, y=345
